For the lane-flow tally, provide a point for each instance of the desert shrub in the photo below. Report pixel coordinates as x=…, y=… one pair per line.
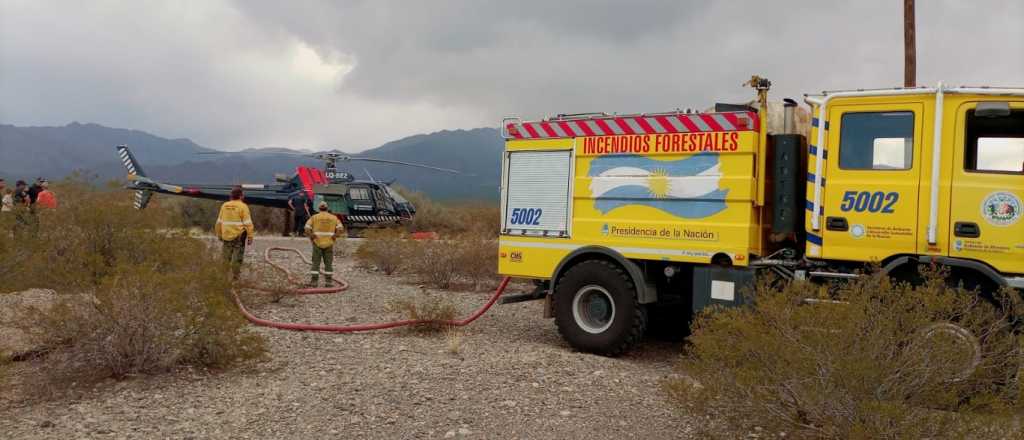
x=134, y=296
x=466, y=254
x=193, y=213
x=143, y=320
x=857, y=369
x=202, y=214
x=476, y=259
x=426, y=307
x=463, y=260
x=382, y=249
x=453, y=340
x=444, y=264
x=452, y=218
x=434, y=262
x=11, y=253
x=267, y=282
x=269, y=220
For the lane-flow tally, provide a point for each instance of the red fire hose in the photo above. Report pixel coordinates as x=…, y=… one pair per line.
x=342, y=285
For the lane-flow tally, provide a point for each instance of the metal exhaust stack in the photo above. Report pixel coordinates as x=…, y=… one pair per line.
x=788, y=124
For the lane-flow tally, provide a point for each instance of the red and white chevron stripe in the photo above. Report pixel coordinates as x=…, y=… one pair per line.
x=640, y=124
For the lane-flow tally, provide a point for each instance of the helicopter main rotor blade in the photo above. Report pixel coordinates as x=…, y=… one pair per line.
x=341, y=157
x=265, y=153
x=408, y=164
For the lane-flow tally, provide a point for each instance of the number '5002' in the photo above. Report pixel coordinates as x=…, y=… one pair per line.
x=526, y=216
x=861, y=201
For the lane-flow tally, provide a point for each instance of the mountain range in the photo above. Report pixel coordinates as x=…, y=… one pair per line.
x=54, y=152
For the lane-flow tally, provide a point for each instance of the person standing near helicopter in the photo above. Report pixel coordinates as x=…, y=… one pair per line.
x=300, y=206
x=322, y=229
x=235, y=230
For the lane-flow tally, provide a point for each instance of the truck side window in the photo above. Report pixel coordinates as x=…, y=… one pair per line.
x=877, y=141
x=995, y=145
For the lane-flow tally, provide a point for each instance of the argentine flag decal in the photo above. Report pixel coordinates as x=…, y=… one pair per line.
x=686, y=188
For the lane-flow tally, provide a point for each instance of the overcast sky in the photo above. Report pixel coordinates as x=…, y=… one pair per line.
x=355, y=74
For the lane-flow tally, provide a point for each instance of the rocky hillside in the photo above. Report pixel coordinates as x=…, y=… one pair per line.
x=53, y=152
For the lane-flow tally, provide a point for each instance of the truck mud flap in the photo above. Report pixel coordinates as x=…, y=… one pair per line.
x=720, y=286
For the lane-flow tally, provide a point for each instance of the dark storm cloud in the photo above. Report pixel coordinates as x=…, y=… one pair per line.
x=537, y=56
x=357, y=73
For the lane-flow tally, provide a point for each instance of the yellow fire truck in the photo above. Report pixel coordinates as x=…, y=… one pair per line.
x=618, y=217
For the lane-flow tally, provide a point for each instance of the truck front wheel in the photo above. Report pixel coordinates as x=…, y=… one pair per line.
x=596, y=308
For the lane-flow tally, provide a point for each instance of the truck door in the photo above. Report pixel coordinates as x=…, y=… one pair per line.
x=988, y=185
x=872, y=181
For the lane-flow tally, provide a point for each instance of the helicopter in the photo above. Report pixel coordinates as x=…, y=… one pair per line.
x=359, y=204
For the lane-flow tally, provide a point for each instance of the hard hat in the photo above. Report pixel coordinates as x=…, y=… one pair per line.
x=322, y=205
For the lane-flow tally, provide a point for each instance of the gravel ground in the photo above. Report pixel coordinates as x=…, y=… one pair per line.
x=513, y=377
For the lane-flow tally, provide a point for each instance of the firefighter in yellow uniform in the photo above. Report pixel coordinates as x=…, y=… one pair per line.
x=234, y=229
x=322, y=229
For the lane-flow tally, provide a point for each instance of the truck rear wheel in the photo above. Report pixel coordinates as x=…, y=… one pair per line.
x=596, y=308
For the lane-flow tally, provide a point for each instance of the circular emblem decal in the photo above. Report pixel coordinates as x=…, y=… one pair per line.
x=858, y=231
x=1001, y=208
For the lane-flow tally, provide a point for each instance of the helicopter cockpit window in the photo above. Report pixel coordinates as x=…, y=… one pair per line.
x=396, y=196
x=359, y=193
x=384, y=200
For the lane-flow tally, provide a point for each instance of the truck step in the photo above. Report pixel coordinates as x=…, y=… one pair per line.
x=532, y=296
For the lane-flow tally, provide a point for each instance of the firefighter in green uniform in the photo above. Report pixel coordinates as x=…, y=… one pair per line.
x=234, y=228
x=322, y=229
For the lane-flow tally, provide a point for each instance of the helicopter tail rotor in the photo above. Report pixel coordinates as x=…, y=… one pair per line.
x=129, y=162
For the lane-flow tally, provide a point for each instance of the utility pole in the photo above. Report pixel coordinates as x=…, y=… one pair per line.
x=909, y=45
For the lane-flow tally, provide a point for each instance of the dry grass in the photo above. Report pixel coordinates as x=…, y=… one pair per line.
x=202, y=214
x=855, y=370
x=477, y=258
x=467, y=260
x=433, y=308
x=132, y=298
x=191, y=213
x=463, y=261
x=273, y=284
x=4, y=373
x=383, y=250
x=453, y=340
x=452, y=218
x=433, y=263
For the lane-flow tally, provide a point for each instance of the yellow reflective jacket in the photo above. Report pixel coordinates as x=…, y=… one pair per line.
x=324, y=227
x=234, y=219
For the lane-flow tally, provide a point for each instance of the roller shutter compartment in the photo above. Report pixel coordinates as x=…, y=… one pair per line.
x=537, y=198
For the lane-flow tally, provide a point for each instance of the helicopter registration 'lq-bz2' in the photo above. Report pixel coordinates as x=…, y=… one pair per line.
x=358, y=203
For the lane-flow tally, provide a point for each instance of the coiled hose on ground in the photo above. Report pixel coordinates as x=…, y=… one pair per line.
x=341, y=285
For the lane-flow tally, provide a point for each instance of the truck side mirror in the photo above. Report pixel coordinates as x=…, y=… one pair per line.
x=992, y=110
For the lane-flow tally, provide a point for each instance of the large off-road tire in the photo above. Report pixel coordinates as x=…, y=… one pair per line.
x=596, y=308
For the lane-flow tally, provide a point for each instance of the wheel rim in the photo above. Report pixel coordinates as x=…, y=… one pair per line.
x=964, y=339
x=593, y=309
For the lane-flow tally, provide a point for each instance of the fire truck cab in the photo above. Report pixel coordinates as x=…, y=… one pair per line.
x=620, y=217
